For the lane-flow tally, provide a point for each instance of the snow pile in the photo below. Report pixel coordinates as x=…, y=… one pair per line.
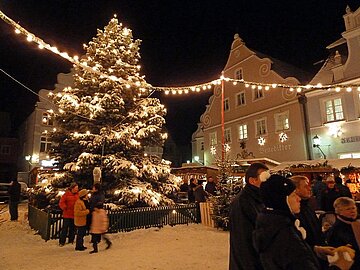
x=171, y=248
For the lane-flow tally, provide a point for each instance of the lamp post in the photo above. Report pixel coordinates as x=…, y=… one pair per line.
x=316, y=144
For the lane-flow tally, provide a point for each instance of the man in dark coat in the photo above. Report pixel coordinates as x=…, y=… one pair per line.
x=243, y=212
x=329, y=195
x=344, y=190
x=210, y=186
x=14, y=193
x=309, y=220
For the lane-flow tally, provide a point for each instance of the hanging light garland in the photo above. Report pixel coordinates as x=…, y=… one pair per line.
x=174, y=90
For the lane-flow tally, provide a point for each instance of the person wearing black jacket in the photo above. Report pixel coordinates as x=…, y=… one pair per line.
x=308, y=218
x=344, y=190
x=243, y=212
x=279, y=238
x=14, y=193
x=210, y=186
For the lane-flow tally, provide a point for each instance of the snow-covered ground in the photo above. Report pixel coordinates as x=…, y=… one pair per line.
x=172, y=248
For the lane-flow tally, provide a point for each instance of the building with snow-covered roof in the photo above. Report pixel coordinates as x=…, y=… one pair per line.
x=334, y=115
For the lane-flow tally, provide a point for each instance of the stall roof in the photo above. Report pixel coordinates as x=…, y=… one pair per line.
x=334, y=163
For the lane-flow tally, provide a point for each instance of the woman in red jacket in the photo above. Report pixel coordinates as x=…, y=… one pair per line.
x=66, y=204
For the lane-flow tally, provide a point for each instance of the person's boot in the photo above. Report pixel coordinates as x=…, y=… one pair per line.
x=108, y=243
x=95, y=249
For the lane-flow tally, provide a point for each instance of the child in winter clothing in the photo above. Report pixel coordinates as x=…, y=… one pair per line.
x=80, y=213
x=99, y=226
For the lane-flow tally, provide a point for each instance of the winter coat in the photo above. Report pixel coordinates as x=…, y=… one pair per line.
x=341, y=234
x=80, y=213
x=344, y=190
x=210, y=187
x=191, y=196
x=199, y=194
x=95, y=198
x=317, y=190
x=243, y=212
x=100, y=221
x=15, y=191
x=280, y=244
x=312, y=225
x=328, y=196
x=67, y=203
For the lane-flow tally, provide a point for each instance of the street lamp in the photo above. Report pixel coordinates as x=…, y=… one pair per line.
x=316, y=144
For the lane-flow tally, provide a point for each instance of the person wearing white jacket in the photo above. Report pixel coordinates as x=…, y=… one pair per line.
x=99, y=226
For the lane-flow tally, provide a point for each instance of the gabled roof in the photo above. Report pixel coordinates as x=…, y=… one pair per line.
x=287, y=70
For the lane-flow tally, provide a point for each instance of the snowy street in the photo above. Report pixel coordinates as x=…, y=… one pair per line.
x=180, y=247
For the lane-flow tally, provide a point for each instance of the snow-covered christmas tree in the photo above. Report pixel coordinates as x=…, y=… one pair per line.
x=107, y=119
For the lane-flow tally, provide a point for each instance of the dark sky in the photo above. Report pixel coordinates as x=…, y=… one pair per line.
x=183, y=42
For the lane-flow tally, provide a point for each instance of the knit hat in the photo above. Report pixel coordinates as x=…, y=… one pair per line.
x=83, y=193
x=274, y=192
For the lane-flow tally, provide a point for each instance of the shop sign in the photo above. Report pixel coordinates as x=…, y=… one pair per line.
x=350, y=139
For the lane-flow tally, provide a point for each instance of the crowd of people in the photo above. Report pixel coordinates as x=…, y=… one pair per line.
x=273, y=224
x=82, y=213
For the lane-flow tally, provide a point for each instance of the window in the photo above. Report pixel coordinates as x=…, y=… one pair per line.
x=243, y=133
x=260, y=127
x=282, y=121
x=258, y=93
x=240, y=98
x=202, y=146
x=46, y=119
x=213, y=138
x=226, y=105
x=5, y=149
x=227, y=135
x=239, y=74
x=45, y=144
x=334, y=110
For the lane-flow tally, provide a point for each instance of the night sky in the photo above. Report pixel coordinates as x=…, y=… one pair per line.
x=183, y=42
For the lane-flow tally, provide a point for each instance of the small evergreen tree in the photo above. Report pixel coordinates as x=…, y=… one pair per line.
x=228, y=190
x=106, y=120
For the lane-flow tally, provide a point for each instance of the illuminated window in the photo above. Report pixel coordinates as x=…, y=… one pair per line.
x=226, y=105
x=239, y=74
x=282, y=121
x=45, y=144
x=243, y=132
x=334, y=110
x=240, y=98
x=213, y=138
x=227, y=135
x=46, y=119
x=260, y=127
x=258, y=93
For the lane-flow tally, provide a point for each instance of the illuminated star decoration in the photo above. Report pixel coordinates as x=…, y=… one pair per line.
x=213, y=150
x=283, y=137
x=227, y=147
x=261, y=141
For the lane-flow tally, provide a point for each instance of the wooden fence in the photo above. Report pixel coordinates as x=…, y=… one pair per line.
x=49, y=224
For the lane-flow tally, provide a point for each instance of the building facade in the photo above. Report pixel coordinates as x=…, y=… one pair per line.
x=258, y=122
x=334, y=115
x=279, y=123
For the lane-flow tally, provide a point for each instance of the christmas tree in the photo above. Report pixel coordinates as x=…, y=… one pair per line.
x=107, y=120
x=227, y=187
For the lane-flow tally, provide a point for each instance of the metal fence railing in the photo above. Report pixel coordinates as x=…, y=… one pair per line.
x=49, y=224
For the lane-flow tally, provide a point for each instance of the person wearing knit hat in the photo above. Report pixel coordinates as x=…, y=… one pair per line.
x=243, y=211
x=80, y=213
x=277, y=237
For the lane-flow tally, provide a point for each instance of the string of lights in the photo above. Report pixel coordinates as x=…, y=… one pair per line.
x=174, y=90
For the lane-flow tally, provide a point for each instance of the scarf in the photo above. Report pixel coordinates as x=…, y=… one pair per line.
x=355, y=226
